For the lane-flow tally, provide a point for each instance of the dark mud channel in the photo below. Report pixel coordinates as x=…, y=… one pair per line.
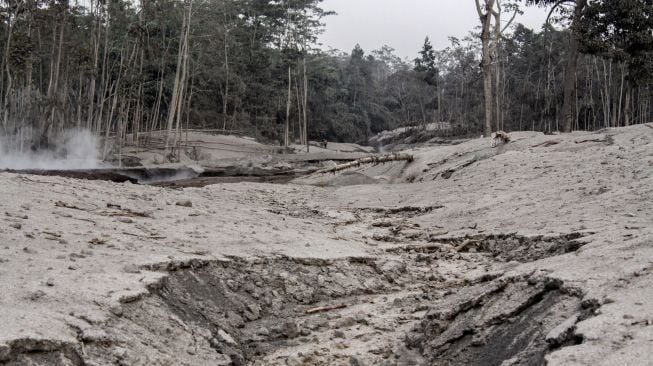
x=252, y=308
x=176, y=177
x=400, y=308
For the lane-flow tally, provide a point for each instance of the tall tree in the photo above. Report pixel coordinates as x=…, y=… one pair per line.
x=620, y=30
x=499, y=29
x=574, y=15
x=427, y=70
x=485, y=13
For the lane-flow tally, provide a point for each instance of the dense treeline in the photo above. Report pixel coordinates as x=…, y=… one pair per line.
x=120, y=68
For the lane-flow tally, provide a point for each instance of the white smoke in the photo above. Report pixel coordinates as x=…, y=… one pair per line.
x=72, y=150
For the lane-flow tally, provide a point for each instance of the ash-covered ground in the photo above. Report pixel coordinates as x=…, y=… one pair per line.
x=535, y=252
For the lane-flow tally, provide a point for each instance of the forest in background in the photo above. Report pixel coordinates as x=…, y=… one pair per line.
x=123, y=68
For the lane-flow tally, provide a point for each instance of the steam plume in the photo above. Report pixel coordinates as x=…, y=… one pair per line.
x=71, y=150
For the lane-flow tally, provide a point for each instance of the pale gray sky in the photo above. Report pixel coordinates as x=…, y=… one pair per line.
x=403, y=24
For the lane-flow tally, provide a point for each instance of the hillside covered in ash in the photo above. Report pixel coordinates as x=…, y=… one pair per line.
x=536, y=251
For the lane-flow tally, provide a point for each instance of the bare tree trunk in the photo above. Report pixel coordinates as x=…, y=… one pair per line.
x=29, y=70
x=576, y=103
x=299, y=112
x=439, y=103
x=286, y=135
x=306, y=108
x=627, y=110
x=54, y=85
x=572, y=66
x=155, y=115
x=606, y=94
x=497, y=67
x=184, y=81
x=96, y=53
x=176, y=89
x=138, y=117
x=485, y=16
x=190, y=99
x=621, y=92
x=104, y=80
x=5, y=121
x=78, y=102
x=225, y=97
x=569, y=85
x=590, y=88
x=114, y=103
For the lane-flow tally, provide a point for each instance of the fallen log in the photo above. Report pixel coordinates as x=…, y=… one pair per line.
x=368, y=160
x=465, y=244
x=325, y=308
x=590, y=140
x=548, y=143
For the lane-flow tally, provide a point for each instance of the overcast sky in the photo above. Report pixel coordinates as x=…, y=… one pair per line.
x=403, y=24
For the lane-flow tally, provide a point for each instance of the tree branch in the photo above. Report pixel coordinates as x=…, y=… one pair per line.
x=555, y=6
x=497, y=12
x=478, y=9
x=514, y=15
